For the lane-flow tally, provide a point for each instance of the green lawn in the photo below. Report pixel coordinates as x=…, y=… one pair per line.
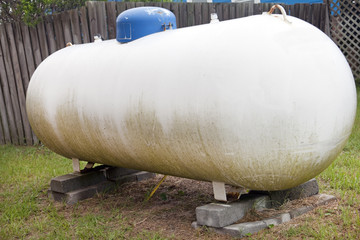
x=27, y=212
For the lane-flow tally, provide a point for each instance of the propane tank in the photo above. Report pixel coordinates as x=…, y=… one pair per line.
x=265, y=102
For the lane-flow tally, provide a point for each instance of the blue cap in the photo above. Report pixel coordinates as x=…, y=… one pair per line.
x=139, y=22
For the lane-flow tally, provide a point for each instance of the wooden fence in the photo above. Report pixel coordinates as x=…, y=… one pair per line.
x=22, y=48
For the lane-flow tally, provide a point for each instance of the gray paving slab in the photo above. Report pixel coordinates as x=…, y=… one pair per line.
x=243, y=229
x=140, y=176
x=84, y=193
x=75, y=181
x=116, y=172
x=137, y=176
x=304, y=190
x=220, y=215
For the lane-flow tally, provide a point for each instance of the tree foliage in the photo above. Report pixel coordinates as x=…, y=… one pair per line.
x=30, y=11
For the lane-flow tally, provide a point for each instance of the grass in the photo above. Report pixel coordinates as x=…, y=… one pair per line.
x=27, y=213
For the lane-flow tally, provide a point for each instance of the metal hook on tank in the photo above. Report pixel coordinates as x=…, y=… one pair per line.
x=282, y=10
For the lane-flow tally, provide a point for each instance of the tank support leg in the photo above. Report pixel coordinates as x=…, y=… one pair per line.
x=219, y=191
x=89, y=165
x=76, y=164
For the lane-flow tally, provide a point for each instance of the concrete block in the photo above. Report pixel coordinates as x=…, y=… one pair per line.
x=322, y=200
x=140, y=176
x=278, y=219
x=137, y=176
x=112, y=173
x=124, y=179
x=304, y=190
x=88, y=192
x=75, y=181
x=243, y=229
x=325, y=199
x=220, y=215
x=300, y=211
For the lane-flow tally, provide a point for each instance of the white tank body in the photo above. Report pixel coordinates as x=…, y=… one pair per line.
x=254, y=102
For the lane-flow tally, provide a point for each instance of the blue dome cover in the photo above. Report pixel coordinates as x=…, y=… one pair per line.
x=139, y=22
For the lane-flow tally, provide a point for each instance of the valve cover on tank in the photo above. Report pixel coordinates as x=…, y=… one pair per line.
x=256, y=102
x=138, y=22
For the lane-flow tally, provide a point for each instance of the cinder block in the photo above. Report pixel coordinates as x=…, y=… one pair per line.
x=137, y=176
x=84, y=193
x=74, y=181
x=141, y=176
x=112, y=173
x=220, y=215
x=325, y=199
x=242, y=229
x=304, y=190
x=124, y=179
x=278, y=219
x=300, y=211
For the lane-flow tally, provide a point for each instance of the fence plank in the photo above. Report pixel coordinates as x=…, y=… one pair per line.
x=84, y=24
x=111, y=19
x=60, y=41
x=4, y=126
x=257, y=9
x=101, y=19
x=232, y=13
x=314, y=19
x=130, y=5
x=327, y=23
x=293, y=10
x=19, y=42
x=19, y=85
x=2, y=134
x=92, y=20
x=49, y=27
x=300, y=11
x=141, y=4
x=323, y=18
x=75, y=26
x=7, y=117
x=174, y=7
x=10, y=78
x=35, y=45
x=182, y=17
x=27, y=66
x=226, y=11
x=197, y=13
x=219, y=11
x=308, y=16
x=120, y=7
x=205, y=15
x=66, y=25
x=28, y=49
x=190, y=8
x=42, y=40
